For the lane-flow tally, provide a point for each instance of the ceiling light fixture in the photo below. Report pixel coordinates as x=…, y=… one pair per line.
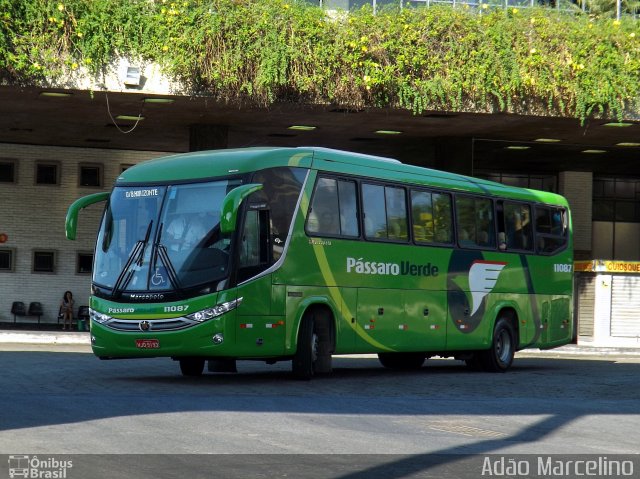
x=388, y=132
x=158, y=100
x=618, y=124
x=547, y=140
x=594, y=152
x=517, y=147
x=55, y=94
x=628, y=143
x=302, y=127
x=130, y=117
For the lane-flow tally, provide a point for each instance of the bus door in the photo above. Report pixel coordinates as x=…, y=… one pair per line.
x=260, y=329
x=553, y=267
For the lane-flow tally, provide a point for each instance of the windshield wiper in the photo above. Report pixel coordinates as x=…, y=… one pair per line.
x=137, y=257
x=171, y=272
x=160, y=250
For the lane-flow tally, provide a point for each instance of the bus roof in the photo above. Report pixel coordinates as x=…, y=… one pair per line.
x=216, y=163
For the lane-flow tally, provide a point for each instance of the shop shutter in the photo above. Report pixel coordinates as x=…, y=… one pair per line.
x=625, y=306
x=586, y=291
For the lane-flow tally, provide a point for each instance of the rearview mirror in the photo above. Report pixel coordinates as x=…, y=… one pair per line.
x=71, y=221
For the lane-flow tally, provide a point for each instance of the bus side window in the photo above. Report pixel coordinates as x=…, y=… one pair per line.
x=550, y=229
x=518, y=232
x=475, y=222
x=431, y=217
x=334, y=209
x=385, y=212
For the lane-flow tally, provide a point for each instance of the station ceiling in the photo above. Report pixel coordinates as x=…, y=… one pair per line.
x=501, y=142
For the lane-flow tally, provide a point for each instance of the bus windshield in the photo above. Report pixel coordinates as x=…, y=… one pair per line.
x=163, y=238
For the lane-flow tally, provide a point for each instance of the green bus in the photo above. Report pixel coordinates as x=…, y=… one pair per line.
x=299, y=254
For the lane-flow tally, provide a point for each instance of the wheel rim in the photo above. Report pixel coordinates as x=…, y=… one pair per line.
x=503, y=347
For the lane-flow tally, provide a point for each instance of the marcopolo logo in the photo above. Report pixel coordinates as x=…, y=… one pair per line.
x=405, y=268
x=34, y=467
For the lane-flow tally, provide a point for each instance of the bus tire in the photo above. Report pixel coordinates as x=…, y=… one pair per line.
x=192, y=367
x=499, y=357
x=402, y=361
x=303, y=364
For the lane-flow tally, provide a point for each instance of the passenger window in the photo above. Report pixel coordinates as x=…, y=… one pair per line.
x=518, y=229
x=431, y=217
x=334, y=209
x=551, y=229
x=475, y=223
x=385, y=212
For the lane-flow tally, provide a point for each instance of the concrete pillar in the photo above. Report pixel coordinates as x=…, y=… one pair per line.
x=577, y=187
x=208, y=137
x=454, y=154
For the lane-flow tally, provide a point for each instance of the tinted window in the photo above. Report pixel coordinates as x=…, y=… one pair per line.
x=551, y=228
x=518, y=232
x=385, y=212
x=475, y=222
x=431, y=216
x=280, y=194
x=334, y=209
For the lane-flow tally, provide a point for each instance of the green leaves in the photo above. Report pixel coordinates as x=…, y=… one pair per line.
x=534, y=61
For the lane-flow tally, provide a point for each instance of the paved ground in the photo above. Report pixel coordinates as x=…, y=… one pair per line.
x=57, y=399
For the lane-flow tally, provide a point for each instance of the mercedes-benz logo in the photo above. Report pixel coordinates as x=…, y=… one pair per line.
x=144, y=325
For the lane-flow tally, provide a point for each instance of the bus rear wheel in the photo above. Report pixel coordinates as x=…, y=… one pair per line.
x=402, y=361
x=499, y=357
x=192, y=366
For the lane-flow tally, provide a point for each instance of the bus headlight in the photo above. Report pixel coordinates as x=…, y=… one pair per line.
x=98, y=317
x=217, y=310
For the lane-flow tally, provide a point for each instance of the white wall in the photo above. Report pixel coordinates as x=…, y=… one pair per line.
x=32, y=216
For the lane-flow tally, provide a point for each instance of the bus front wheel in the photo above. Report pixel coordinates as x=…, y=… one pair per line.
x=306, y=355
x=499, y=357
x=192, y=366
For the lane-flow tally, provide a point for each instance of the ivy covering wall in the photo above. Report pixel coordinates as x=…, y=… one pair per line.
x=534, y=61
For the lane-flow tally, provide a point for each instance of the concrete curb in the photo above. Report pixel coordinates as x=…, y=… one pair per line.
x=577, y=350
x=44, y=337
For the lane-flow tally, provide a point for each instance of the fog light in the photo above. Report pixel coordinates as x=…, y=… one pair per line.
x=217, y=338
x=93, y=339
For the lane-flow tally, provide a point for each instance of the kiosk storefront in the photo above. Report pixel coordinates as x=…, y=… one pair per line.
x=608, y=303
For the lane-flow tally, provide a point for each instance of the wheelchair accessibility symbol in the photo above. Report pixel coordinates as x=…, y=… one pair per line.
x=157, y=279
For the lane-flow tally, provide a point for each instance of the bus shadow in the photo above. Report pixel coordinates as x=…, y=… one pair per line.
x=47, y=389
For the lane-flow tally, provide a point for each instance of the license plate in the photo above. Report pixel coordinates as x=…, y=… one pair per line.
x=147, y=343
